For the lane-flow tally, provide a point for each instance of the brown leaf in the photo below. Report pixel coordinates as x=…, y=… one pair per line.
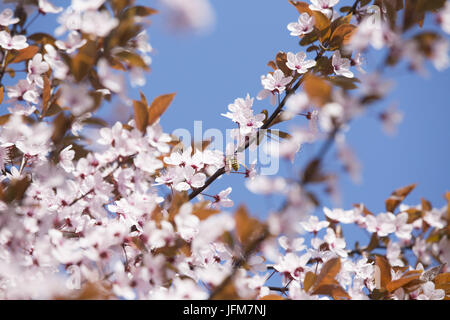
x=413, y=214
x=310, y=279
x=412, y=15
x=302, y=7
x=328, y=273
x=385, y=271
x=272, y=65
x=60, y=126
x=443, y=278
x=281, y=60
x=25, y=54
x=140, y=115
x=272, y=297
x=406, y=279
x=132, y=59
x=322, y=23
x=403, y=192
x=333, y=290
x=84, y=60
x=178, y=200
x=247, y=228
x=312, y=172
x=202, y=211
x=16, y=190
x=2, y=93
x=159, y=106
x=42, y=38
x=119, y=5
x=374, y=242
x=426, y=205
x=4, y=118
x=397, y=197
x=140, y=11
x=45, y=94
x=143, y=98
x=340, y=21
x=228, y=292
x=342, y=35
x=318, y=90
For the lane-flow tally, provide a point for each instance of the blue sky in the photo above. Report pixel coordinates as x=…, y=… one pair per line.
x=209, y=71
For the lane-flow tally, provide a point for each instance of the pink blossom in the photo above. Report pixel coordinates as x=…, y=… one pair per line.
x=341, y=65
x=314, y=225
x=46, y=6
x=304, y=25
x=36, y=67
x=292, y=265
x=23, y=90
x=7, y=42
x=430, y=293
x=192, y=179
x=7, y=18
x=73, y=42
x=273, y=84
x=335, y=244
x=443, y=17
x=323, y=6
x=297, y=62
x=222, y=199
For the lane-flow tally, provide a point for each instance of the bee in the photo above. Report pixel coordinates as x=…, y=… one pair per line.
x=233, y=163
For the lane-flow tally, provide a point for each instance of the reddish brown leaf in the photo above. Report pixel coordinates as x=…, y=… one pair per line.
x=247, y=228
x=159, y=106
x=25, y=54
x=2, y=93
x=426, y=205
x=228, y=292
x=406, y=279
x=302, y=7
x=4, y=118
x=342, y=35
x=397, y=197
x=272, y=65
x=178, y=200
x=318, y=90
x=84, y=60
x=333, y=290
x=322, y=23
x=45, y=94
x=272, y=297
x=403, y=192
x=310, y=279
x=328, y=273
x=281, y=60
x=384, y=276
x=202, y=211
x=143, y=98
x=140, y=115
x=443, y=278
x=374, y=242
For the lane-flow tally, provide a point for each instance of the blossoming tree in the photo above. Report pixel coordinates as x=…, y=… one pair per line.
x=128, y=215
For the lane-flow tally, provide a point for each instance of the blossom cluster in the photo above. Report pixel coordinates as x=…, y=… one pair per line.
x=117, y=212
